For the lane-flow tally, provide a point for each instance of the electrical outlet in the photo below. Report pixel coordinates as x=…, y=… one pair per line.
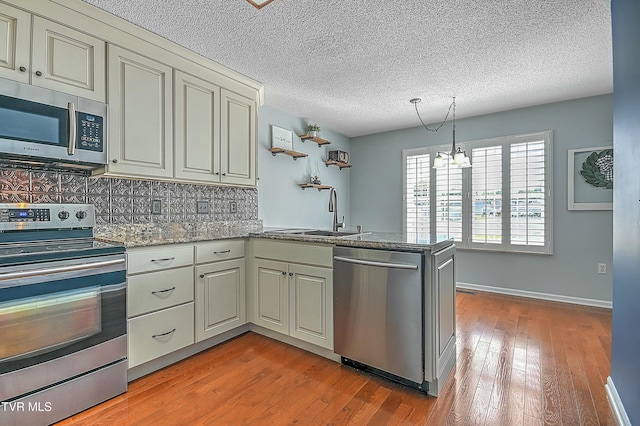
x=233, y=207
x=602, y=268
x=202, y=207
x=156, y=206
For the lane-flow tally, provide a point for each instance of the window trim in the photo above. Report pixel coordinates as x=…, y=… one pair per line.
x=467, y=224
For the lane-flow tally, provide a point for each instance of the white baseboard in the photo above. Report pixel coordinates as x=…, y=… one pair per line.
x=536, y=295
x=622, y=419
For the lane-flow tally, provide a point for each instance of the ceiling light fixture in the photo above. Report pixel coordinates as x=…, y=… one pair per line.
x=259, y=4
x=460, y=158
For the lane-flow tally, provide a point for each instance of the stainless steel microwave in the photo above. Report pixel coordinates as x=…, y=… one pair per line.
x=42, y=125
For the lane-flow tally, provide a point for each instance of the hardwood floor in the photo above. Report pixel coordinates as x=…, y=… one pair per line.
x=520, y=362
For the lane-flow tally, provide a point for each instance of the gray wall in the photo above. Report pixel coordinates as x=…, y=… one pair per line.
x=582, y=239
x=625, y=351
x=281, y=201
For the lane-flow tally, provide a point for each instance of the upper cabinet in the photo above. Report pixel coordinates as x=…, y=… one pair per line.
x=50, y=55
x=238, y=129
x=140, y=115
x=197, y=121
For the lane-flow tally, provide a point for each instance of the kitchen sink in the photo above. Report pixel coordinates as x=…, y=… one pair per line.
x=323, y=233
x=316, y=232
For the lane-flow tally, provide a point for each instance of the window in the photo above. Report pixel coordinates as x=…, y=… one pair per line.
x=502, y=203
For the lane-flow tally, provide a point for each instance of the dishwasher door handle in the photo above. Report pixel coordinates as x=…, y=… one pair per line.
x=376, y=263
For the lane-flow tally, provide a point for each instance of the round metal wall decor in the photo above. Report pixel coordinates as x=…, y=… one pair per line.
x=597, y=169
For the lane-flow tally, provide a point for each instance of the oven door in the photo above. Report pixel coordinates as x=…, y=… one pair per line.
x=51, y=311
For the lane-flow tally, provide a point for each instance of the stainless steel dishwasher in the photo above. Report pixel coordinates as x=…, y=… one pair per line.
x=379, y=313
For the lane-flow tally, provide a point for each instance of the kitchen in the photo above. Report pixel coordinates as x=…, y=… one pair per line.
x=372, y=159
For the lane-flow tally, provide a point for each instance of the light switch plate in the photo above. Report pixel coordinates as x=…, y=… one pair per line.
x=156, y=206
x=202, y=207
x=233, y=207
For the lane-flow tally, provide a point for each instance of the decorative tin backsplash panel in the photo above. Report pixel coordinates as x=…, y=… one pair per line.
x=124, y=201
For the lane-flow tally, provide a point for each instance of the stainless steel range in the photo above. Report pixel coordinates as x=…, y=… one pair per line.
x=63, y=343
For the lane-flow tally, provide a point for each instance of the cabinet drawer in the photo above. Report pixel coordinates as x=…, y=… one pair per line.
x=158, y=290
x=155, y=259
x=153, y=335
x=219, y=250
x=305, y=253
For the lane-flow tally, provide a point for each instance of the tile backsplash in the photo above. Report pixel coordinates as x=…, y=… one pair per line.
x=124, y=201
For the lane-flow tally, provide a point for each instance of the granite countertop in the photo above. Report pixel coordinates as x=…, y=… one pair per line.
x=376, y=240
x=155, y=234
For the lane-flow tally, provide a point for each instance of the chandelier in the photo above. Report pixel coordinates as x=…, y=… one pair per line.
x=460, y=158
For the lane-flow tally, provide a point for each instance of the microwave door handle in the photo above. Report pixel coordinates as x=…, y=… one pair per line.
x=71, y=148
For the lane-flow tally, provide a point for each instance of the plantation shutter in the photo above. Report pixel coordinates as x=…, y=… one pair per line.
x=486, y=195
x=448, y=208
x=528, y=206
x=417, y=192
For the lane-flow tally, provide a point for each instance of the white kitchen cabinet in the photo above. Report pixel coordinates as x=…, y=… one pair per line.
x=197, y=129
x=238, y=139
x=272, y=295
x=50, y=55
x=15, y=43
x=140, y=100
x=160, y=301
x=220, y=288
x=294, y=298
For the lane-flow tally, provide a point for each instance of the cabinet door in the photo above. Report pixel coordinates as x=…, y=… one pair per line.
x=197, y=121
x=140, y=115
x=311, y=302
x=15, y=38
x=67, y=60
x=444, y=308
x=220, y=301
x=271, y=309
x=238, y=134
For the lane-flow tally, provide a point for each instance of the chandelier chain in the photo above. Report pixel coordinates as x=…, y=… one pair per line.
x=441, y=124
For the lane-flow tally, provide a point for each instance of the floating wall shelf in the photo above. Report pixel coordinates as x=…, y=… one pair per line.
x=315, y=139
x=337, y=163
x=294, y=154
x=313, y=185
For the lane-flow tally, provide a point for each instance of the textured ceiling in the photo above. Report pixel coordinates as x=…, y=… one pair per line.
x=352, y=66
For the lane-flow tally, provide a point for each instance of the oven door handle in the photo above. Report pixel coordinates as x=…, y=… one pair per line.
x=59, y=269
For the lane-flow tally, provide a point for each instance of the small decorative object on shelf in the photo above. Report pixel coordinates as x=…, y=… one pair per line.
x=294, y=154
x=312, y=130
x=340, y=156
x=313, y=185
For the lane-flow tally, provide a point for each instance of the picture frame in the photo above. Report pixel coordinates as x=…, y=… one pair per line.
x=281, y=138
x=590, y=178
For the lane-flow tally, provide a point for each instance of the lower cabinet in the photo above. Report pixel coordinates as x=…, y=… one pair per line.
x=159, y=333
x=160, y=301
x=294, y=299
x=220, y=287
x=220, y=298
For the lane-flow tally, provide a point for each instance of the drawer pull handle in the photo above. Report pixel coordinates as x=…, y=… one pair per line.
x=155, y=336
x=164, y=291
x=164, y=259
x=222, y=252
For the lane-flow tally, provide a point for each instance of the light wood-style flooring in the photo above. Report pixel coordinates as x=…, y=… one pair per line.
x=520, y=362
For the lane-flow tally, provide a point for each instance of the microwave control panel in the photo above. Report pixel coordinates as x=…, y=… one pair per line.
x=90, y=132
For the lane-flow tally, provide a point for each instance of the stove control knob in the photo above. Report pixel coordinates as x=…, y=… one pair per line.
x=63, y=215
x=81, y=214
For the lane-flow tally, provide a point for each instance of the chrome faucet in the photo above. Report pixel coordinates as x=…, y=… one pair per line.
x=333, y=208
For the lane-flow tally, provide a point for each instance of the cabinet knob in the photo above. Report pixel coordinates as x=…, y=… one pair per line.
x=224, y=174
x=216, y=173
x=114, y=161
x=39, y=73
x=284, y=273
x=290, y=274
x=22, y=69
